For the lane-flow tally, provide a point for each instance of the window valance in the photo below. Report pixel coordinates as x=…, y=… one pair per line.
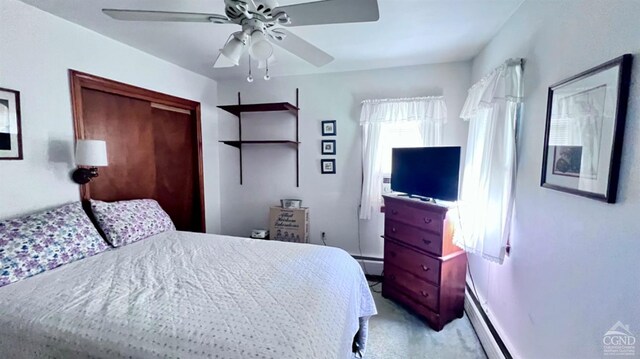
x=503, y=82
x=431, y=108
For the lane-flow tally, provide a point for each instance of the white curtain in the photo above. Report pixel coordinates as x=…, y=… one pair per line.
x=429, y=113
x=493, y=108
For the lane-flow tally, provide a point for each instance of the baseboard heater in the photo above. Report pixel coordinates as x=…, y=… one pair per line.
x=489, y=337
x=372, y=266
x=364, y=258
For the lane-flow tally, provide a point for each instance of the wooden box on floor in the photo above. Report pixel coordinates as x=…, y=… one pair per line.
x=423, y=269
x=289, y=224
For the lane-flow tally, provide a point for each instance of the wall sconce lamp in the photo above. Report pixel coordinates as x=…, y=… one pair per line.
x=90, y=153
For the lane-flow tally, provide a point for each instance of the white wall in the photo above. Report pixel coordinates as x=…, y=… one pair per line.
x=573, y=272
x=36, y=51
x=269, y=172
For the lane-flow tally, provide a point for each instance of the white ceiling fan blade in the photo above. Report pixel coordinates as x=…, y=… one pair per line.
x=331, y=12
x=143, y=15
x=303, y=49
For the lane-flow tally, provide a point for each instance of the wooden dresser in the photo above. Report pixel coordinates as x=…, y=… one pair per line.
x=423, y=269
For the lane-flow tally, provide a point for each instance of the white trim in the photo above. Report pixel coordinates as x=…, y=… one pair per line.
x=482, y=330
x=170, y=108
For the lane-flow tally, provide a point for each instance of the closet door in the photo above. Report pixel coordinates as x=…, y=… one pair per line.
x=175, y=166
x=124, y=123
x=152, y=150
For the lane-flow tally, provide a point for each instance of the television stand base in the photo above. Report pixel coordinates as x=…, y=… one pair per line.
x=423, y=199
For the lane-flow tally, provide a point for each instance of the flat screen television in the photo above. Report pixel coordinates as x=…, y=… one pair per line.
x=431, y=172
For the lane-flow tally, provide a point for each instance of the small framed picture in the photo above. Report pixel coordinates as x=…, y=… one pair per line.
x=329, y=128
x=584, y=131
x=328, y=147
x=328, y=166
x=10, y=131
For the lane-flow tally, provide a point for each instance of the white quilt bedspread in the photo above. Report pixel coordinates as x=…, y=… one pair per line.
x=186, y=295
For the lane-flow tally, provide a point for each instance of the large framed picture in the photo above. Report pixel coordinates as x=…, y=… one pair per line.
x=584, y=131
x=10, y=131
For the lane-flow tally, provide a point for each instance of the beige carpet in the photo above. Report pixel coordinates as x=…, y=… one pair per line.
x=396, y=333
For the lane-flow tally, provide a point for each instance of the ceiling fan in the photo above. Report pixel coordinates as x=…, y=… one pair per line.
x=260, y=21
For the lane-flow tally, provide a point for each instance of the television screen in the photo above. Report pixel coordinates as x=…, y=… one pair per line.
x=431, y=172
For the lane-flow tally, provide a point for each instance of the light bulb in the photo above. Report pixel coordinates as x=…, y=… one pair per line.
x=267, y=77
x=249, y=78
x=260, y=48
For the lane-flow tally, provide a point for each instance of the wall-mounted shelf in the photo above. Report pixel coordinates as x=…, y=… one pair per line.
x=237, y=144
x=240, y=108
x=236, y=110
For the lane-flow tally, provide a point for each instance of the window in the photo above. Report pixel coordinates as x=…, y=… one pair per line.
x=397, y=135
x=389, y=123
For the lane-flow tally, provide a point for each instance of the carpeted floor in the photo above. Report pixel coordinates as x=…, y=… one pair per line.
x=396, y=333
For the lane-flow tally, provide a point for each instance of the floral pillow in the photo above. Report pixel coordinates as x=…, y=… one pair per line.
x=125, y=222
x=33, y=244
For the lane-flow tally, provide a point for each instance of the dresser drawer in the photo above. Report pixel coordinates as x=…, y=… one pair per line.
x=419, y=290
x=394, y=293
x=416, y=237
x=416, y=263
x=432, y=221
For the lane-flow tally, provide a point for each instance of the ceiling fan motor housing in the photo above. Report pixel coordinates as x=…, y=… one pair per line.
x=241, y=11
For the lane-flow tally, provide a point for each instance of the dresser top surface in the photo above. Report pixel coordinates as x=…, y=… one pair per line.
x=440, y=206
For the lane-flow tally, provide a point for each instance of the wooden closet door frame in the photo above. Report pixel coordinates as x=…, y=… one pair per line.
x=80, y=80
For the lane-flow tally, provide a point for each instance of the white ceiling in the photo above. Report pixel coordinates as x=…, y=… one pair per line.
x=409, y=32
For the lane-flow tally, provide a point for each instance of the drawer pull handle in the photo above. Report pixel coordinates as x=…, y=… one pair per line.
x=393, y=211
x=424, y=294
x=425, y=268
x=393, y=229
x=427, y=220
x=426, y=241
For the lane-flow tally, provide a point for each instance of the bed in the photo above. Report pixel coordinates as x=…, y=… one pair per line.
x=181, y=294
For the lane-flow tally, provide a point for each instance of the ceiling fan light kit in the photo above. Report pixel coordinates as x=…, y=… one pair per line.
x=234, y=48
x=259, y=19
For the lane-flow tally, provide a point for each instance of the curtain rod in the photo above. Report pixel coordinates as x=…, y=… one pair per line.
x=403, y=99
x=514, y=62
x=507, y=63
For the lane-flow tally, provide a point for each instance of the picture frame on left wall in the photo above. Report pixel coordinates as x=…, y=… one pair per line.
x=10, y=126
x=328, y=166
x=328, y=147
x=329, y=128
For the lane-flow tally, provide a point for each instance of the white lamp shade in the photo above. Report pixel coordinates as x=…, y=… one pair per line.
x=223, y=61
x=260, y=49
x=91, y=153
x=233, y=49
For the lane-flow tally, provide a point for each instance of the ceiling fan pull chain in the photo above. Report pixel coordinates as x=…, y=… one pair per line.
x=250, y=77
x=266, y=73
